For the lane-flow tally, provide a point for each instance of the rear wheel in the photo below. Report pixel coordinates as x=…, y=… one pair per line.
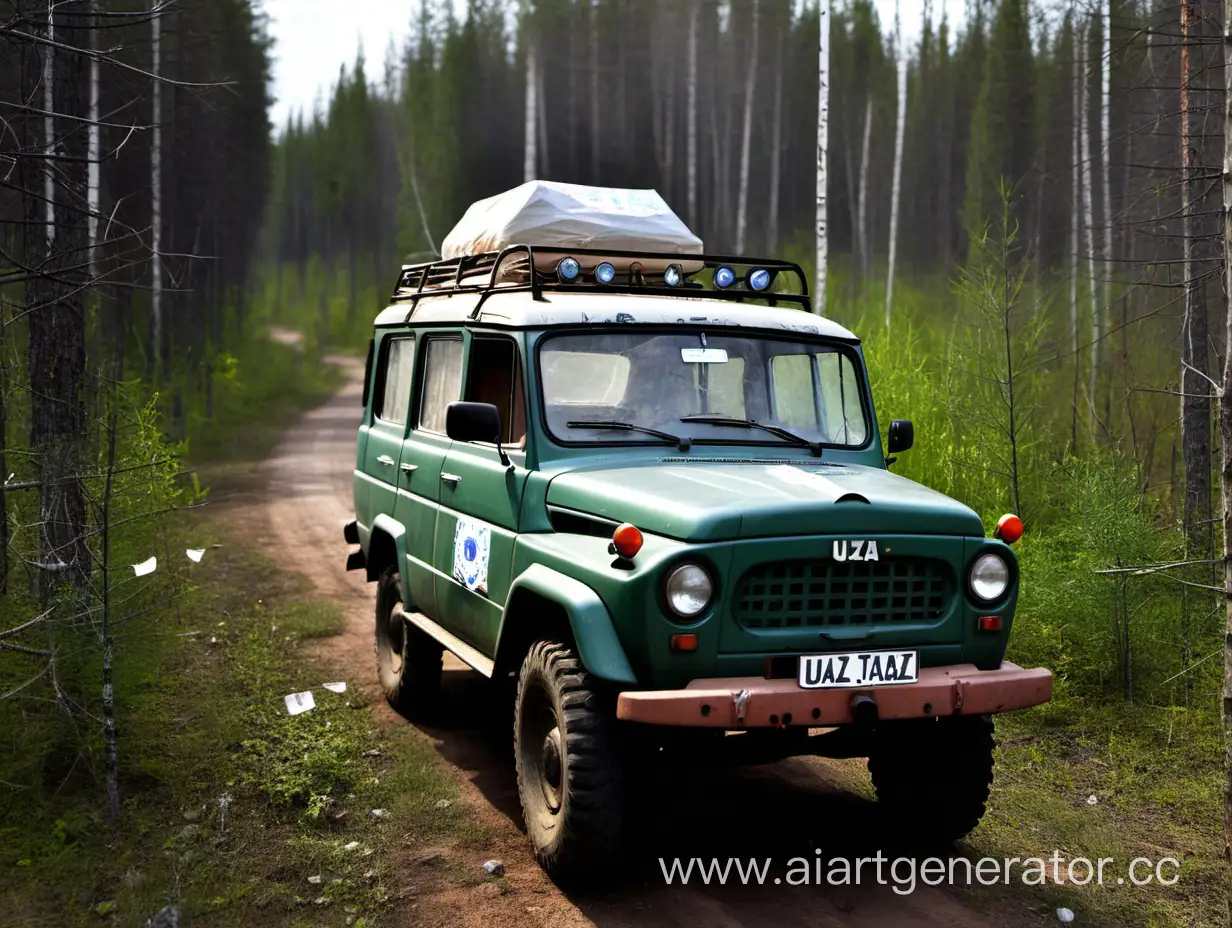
x=570, y=780
x=933, y=776
x=408, y=661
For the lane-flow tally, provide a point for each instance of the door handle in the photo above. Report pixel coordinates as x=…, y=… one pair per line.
x=409, y=469
x=452, y=479
x=386, y=460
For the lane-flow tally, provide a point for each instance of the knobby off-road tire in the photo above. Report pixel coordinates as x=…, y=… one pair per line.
x=408, y=661
x=570, y=777
x=932, y=776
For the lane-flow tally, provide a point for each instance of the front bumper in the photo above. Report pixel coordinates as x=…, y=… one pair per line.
x=755, y=702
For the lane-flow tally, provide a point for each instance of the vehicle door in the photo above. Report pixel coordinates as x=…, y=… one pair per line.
x=419, y=466
x=377, y=472
x=481, y=497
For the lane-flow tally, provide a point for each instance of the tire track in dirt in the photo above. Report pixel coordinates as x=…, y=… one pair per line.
x=782, y=811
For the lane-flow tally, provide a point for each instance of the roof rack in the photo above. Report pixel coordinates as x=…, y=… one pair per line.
x=516, y=268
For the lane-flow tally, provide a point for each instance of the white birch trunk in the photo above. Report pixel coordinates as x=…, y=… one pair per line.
x=823, y=144
x=156, y=200
x=1075, y=224
x=691, y=143
x=594, y=91
x=93, y=152
x=49, y=133
x=530, y=160
x=1085, y=159
x=1104, y=307
x=862, y=199
x=896, y=189
x=541, y=121
x=746, y=141
x=776, y=151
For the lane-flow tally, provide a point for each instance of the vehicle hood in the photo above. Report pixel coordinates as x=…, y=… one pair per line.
x=702, y=501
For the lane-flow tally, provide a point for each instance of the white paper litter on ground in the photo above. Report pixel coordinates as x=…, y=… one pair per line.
x=335, y=687
x=195, y=554
x=555, y=215
x=145, y=567
x=300, y=702
x=1065, y=915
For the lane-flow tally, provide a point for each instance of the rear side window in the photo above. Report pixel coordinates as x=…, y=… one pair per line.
x=395, y=395
x=442, y=382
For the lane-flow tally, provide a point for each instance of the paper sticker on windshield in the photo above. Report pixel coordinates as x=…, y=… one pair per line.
x=472, y=542
x=703, y=355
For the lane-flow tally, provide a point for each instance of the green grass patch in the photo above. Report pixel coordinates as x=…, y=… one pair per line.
x=1156, y=777
x=229, y=803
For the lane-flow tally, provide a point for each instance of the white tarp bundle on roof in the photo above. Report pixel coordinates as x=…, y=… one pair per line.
x=567, y=216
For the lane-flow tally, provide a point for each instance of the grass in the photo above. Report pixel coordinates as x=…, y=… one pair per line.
x=230, y=804
x=1156, y=777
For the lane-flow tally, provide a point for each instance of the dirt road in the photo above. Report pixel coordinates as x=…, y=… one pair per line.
x=799, y=808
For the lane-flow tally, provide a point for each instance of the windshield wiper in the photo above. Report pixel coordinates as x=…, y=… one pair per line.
x=813, y=446
x=682, y=443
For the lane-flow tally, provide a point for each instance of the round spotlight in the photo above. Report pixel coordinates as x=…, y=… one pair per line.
x=568, y=270
x=605, y=273
x=673, y=276
x=759, y=279
x=724, y=277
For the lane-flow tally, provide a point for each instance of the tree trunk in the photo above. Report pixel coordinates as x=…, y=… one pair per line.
x=594, y=94
x=864, y=260
x=776, y=150
x=1087, y=212
x=530, y=160
x=823, y=142
x=1225, y=431
x=157, y=336
x=694, y=16
x=93, y=153
x=110, y=748
x=895, y=192
x=1075, y=229
x=746, y=141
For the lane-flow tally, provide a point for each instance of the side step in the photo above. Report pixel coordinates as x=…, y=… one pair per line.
x=460, y=649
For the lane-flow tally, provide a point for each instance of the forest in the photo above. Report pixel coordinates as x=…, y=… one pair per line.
x=1025, y=223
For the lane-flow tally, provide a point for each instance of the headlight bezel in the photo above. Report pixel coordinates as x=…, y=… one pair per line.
x=1011, y=577
x=665, y=594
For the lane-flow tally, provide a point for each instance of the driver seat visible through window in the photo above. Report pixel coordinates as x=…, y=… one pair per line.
x=495, y=376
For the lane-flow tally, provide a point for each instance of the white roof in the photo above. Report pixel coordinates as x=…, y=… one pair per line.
x=570, y=216
x=519, y=309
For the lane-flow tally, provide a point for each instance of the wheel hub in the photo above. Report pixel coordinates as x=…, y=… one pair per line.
x=553, y=769
x=396, y=631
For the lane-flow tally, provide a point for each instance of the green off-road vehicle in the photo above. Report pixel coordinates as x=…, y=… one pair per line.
x=651, y=489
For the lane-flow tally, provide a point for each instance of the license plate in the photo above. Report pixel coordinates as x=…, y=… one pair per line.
x=858, y=668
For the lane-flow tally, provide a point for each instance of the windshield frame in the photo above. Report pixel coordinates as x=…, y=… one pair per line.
x=752, y=437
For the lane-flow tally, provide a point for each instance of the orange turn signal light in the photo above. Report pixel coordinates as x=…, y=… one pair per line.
x=683, y=642
x=627, y=540
x=990, y=623
x=1009, y=528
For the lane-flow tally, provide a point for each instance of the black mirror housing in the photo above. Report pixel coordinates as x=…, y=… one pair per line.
x=473, y=422
x=902, y=436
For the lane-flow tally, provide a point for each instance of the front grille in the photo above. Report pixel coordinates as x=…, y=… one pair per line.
x=824, y=593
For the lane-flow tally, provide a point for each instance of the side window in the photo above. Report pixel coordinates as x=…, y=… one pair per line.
x=394, y=398
x=442, y=381
x=840, y=400
x=495, y=376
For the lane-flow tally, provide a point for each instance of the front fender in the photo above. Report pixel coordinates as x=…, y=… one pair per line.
x=593, y=632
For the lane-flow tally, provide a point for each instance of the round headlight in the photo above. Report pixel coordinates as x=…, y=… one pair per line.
x=759, y=279
x=688, y=590
x=605, y=273
x=989, y=577
x=568, y=270
x=673, y=276
x=724, y=277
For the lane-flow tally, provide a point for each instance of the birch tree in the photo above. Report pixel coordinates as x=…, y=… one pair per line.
x=1075, y=216
x=1225, y=431
x=862, y=247
x=691, y=155
x=750, y=86
x=1084, y=158
x=823, y=133
x=776, y=149
x=896, y=190
x=93, y=152
x=530, y=160
x=156, y=199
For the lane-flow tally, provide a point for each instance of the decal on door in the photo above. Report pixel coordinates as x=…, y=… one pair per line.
x=472, y=542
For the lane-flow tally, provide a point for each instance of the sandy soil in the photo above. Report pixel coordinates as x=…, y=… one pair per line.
x=799, y=808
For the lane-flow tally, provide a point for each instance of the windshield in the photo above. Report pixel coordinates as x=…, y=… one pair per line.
x=648, y=380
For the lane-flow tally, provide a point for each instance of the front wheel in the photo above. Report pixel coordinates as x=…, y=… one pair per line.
x=933, y=776
x=408, y=661
x=570, y=779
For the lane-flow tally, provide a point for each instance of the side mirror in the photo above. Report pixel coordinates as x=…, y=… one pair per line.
x=472, y=422
x=902, y=436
